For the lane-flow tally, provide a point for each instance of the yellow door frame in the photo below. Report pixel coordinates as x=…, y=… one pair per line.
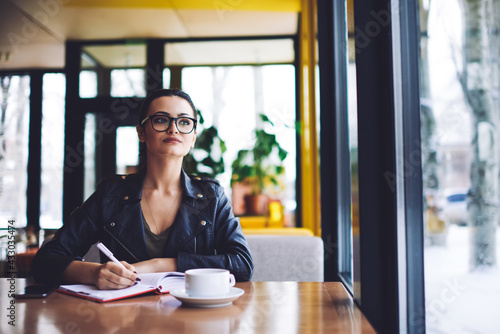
x=309, y=171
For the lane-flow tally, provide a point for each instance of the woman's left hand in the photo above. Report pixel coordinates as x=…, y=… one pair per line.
x=156, y=265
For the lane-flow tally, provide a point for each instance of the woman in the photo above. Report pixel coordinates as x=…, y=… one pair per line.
x=159, y=219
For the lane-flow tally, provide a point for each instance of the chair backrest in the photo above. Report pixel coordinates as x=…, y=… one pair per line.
x=287, y=258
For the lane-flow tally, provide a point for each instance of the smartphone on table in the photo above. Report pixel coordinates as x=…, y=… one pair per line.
x=36, y=291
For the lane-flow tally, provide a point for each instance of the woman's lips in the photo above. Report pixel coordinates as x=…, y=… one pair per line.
x=171, y=140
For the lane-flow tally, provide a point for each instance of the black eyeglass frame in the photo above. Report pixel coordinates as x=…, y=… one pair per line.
x=174, y=119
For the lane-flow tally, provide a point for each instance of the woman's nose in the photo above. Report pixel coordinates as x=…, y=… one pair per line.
x=172, y=128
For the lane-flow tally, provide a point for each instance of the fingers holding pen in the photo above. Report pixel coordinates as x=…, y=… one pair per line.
x=111, y=275
x=130, y=268
x=114, y=274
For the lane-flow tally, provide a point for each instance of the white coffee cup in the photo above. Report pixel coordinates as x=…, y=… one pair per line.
x=208, y=282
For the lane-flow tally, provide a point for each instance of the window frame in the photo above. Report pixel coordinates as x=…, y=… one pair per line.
x=390, y=288
x=406, y=43
x=335, y=176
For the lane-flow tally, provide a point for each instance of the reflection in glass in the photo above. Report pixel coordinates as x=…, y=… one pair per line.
x=52, y=150
x=459, y=71
x=14, y=135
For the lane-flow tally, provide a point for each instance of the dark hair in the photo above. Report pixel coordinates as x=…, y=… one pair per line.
x=143, y=111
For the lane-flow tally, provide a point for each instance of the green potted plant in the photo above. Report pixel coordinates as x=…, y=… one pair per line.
x=206, y=158
x=259, y=167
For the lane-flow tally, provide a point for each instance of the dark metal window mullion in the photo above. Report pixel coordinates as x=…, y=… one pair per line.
x=376, y=281
x=35, y=149
x=406, y=41
x=334, y=144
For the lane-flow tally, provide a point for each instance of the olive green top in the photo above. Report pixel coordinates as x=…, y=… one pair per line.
x=155, y=243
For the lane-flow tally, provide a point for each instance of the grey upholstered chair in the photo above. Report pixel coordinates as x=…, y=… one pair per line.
x=286, y=258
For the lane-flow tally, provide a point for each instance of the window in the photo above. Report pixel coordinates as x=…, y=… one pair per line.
x=53, y=117
x=90, y=155
x=88, y=84
x=247, y=91
x=212, y=53
x=460, y=145
x=350, y=234
x=14, y=136
x=127, y=149
x=127, y=82
x=166, y=78
x=126, y=62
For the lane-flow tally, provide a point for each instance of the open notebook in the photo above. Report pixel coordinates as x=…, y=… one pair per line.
x=157, y=282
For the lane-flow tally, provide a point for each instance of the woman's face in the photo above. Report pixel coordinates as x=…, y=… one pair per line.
x=170, y=142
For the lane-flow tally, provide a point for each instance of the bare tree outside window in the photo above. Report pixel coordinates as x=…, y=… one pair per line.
x=479, y=82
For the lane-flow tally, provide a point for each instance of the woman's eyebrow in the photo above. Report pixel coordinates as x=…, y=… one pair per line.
x=161, y=113
x=168, y=114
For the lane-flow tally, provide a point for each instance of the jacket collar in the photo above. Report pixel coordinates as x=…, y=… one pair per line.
x=191, y=189
x=135, y=182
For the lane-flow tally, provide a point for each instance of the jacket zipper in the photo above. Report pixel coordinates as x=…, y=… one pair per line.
x=195, y=245
x=120, y=243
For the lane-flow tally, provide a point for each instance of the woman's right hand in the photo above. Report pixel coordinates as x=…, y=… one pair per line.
x=112, y=276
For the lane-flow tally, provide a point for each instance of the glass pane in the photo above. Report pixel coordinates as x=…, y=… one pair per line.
x=126, y=83
x=53, y=109
x=350, y=234
x=88, y=84
x=166, y=78
x=127, y=55
x=276, y=51
x=127, y=149
x=89, y=147
x=14, y=135
x=460, y=144
x=237, y=96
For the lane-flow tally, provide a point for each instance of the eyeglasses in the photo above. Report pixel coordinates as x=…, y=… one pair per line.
x=162, y=123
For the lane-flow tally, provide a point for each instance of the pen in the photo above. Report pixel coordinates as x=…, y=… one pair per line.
x=108, y=253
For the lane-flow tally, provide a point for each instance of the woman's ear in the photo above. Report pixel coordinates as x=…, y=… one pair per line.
x=141, y=133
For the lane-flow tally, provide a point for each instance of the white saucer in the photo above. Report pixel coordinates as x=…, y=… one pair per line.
x=225, y=300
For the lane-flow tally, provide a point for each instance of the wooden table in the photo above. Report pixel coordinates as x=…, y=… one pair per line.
x=266, y=307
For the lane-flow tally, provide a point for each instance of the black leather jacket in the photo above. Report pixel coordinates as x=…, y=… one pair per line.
x=205, y=233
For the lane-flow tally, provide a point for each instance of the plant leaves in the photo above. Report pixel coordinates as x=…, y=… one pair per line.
x=264, y=118
x=201, y=120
